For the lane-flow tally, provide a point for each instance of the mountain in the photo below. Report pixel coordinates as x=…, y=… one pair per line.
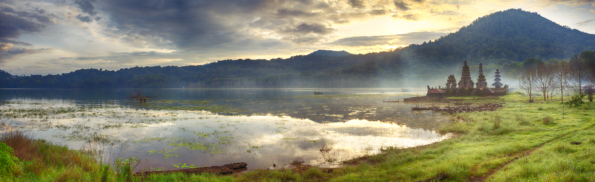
x=330, y=53
x=502, y=40
x=4, y=75
x=511, y=35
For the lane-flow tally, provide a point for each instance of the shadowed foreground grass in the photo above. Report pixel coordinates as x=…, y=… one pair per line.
x=519, y=142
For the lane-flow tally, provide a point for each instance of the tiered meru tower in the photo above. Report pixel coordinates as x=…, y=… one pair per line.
x=481, y=79
x=466, y=82
x=497, y=80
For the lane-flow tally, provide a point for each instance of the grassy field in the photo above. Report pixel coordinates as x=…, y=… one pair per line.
x=520, y=142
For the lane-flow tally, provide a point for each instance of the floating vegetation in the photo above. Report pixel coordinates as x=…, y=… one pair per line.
x=193, y=105
x=183, y=166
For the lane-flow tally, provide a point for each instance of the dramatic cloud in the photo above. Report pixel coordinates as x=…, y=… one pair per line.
x=123, y=33
x=9, y=52
x=206, y=24
x=86, y=19
x=401, y=5
x=399, y=39
x=356, y=3
x=86, y=6
x=13, y=24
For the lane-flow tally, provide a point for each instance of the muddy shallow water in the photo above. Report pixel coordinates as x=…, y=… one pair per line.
x=207, y=127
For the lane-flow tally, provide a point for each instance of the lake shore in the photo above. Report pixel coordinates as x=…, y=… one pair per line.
x=521, y=141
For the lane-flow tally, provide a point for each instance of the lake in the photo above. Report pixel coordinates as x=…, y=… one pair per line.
x=208, y=127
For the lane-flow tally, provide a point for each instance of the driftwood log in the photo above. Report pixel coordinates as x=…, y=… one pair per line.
x=225, y=169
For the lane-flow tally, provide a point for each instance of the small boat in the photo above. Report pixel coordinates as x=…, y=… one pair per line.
x=318, y=93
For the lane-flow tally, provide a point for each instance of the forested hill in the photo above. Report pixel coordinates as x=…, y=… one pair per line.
x=500, y=40
x=330, y=53
x=511, y=35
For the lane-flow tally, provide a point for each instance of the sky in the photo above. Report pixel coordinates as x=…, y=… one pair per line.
x=60, y=36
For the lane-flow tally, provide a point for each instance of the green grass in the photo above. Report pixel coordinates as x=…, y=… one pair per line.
x=519, y=142
x=39, y=160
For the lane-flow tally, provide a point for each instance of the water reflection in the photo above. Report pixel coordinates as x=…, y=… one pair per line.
x=319, y=131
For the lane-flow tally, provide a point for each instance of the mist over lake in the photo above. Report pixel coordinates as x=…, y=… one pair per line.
x=208, y=127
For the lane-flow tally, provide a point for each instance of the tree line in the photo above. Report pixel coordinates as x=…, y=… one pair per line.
x=559, y=75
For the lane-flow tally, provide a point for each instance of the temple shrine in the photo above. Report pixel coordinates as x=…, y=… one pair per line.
x=466, y=87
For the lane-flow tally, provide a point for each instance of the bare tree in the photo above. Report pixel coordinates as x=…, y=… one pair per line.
x=544, y=78
x=554, y=85
x=527, y=81
x=578, y=73
x=561, y=76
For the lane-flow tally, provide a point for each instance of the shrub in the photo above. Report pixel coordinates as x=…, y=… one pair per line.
x=497, y=121
x=455, y=127
x=522, y=122
x=548, y=120
x=576, y=100
x=8, y=162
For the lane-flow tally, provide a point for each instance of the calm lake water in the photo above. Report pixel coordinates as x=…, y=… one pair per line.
x=207, y=127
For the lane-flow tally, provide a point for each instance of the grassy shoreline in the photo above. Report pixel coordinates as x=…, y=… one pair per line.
x=520, y=142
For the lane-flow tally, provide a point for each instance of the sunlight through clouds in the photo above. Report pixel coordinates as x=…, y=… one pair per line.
x=207, y=31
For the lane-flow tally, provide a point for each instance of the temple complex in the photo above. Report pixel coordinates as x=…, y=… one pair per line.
x=466, y=87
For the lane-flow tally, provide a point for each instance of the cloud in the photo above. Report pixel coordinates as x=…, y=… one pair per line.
x=401, y=5
x=398, y=39
x=306, y=28
x=572, y=2
x=191, y=25
x=116, y=60
x=410, y=16
x=9, y=52
x=13, y=26
x=86, y=6
x=584, y=22
x=86, y=19
x=356, y=3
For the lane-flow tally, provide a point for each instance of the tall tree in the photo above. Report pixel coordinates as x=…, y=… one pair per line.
x=527, y=81
x=579, y=73
x=544, y=77
x=562, y=75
